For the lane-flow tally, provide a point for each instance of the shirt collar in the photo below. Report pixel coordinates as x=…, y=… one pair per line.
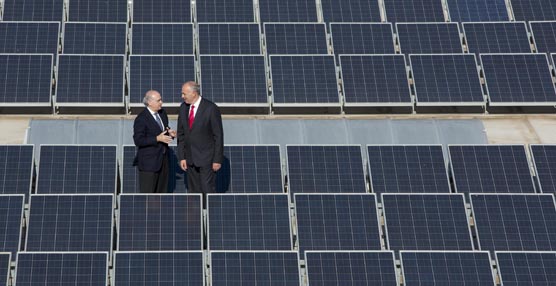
x=196, y=103
x=152, y=112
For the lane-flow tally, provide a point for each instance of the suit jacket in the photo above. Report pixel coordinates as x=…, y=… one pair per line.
x=204, y=143
x=149, y=152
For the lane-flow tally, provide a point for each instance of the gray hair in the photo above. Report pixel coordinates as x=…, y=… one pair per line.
x=193, y=86
x=148, y=96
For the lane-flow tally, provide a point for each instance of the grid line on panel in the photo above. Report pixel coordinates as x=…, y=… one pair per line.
x=414, y=11
x=162, y=39
x=351, y=11
x=95, y=38
x=230, y=38
x=225, y=11
x=288, y=11
x=526, y=268
x=29, y=37
x=429, y=38
x=500, y=37
x=11, y=214
x=534, y=10
x=544, y=34
x=170, y=11
x=362, y=38
x=17, y=72
x=16, y=169
x=478, y=10
x=544, y=157
x=98, y=11
x=33, y=10
x=298, y=38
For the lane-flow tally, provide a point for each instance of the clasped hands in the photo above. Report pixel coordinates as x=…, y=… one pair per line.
x=166, y=136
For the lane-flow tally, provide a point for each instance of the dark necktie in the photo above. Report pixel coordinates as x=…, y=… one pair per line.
x=159, y=121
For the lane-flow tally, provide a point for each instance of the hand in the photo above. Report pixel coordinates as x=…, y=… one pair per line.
x=183, y=165
x=171, y=132
x=216, y=166
x=164, y=138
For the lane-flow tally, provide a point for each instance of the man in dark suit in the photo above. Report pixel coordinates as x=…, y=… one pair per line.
x=152, y=135
x=200, y=140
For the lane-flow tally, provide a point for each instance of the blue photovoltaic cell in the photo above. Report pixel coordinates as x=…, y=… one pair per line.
x=160, y=222
x=503, y=37
x=515, y=221
x=170, y=11
x=11, y=216
x=166, y=74
x=29, y=37
x=16, y=169
x=526, y=268
x=288, y=11
x=176, y=268
x=17, y=71
x=350, y=11
x=447, y=268
x=478, y=10
x=77, y=169
x=229, y=39
x=309, y=80
x=5, y=261
x=534, y=10
x=234, y=79
x=162, y=39
x=362, y=38
x=446, y=79
x=95, y=38
x=490, y=169
x=225, y=11
x=34, y=10
x=426, y=222
x=248, y=222
x=296, y=38
x=544, y=159
x=70, y=223
x=375, y=79
x=98, y=11
x=407, y=169
x=254, y=268
x=544, y=34
x=429, y=38
x=350, y=268
x=337, y=222
x=325, y=169
x=86, y=269
x=414, y=11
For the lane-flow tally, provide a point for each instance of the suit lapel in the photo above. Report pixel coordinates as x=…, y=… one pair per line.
x=198, y=114
x=151, y=119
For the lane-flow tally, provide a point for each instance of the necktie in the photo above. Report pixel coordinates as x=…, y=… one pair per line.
x=159, y=121
x=191, y=116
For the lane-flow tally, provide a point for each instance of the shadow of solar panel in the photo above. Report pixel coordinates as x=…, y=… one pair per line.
x=170, y=11
x=29, y=37
x=490, y=169
x=337, y=222
x=350, y=268
x=526, y=268
x=499, y=37
x=95, y=38
x=248, y=222
x=160, y=222
x=16, y=169
x=304, y=80
x=544, y=161
x=544, y=36
x=447, y=268
x=413, y=11
x=5, y=260
x=426, y=222
x=59, y=268
x=164, y=73
x=350, y=11
x=362, y=38
x=296, y=38
x=407, y=169
x=159, y=268
x=98, y=11
x=478, y=10
x=448, y=79
x=534, y=10
x=11, y=214
x=229, y=39
x=17, y=71
x=254, y=268
x=33, y=10
x=515, y=221
x=225, y=11
x=288, y=11
x=161, y=39
x=429, y=38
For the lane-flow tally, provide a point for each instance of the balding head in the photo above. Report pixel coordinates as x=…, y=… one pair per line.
x=153, y=100
x=190, y=92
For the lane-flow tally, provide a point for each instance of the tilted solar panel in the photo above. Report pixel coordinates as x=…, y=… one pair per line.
x=95, y=38
x=534, y=10
x=229, y=39
x=29, y=37
x=362, y=38
x=478, y=10
x=17, y=71
x=544, y=161
x=5, y=261
x=169, y=11
x=16, y=169
x=497, y=37
x=526, y=268
x=161, y=39
x=288, y=11
x=11, y=228
x=350, y=11
x=225, y=11
x=544, y=35
x=429, y=38
x=296, y=38
x=413, y=11
x=98, y=11
x=33, y=10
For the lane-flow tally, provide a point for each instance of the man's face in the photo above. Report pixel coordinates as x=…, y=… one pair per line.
x=187, y=95
x=155, y=102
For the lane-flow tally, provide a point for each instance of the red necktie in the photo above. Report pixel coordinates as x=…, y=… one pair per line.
x=191, y=116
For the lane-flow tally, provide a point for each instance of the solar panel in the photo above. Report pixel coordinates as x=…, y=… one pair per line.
x=478, y=10
x=490, y=169
x=164, y=73
x=171, y=11
x=16, y=169
x=255, y=268
x=414, y=11
x=98, y=11
x=429, y=38
x=33, y=10
x=337, y=222
x=94, y=80
x=250, y=169
x=350, y=268
x=426, y=222
x=5, y=260
x=407, y=169
x=70, y=223
x=304, y=80
x=248, y=222
x=29, y=37
x=288, y=11
x=514, y=221
x=232, y=38
x=518, y=79
x=225, y=11
x=534, y=10
x=159, y=268
x=448, y=79
x=161, y=39
x=447, y=268
x=325, y=169
x=296, y=38
x=362, y=38
x=95, y=38
x=350, y=11
x=59, y=268
x=16, y=71
x=544, y=34
x=526, y=268
x=11, y=214
x=544, y=161
x=498, y=37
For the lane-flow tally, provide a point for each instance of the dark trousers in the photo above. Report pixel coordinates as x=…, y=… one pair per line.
x=201, y=180
x=155, y=182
